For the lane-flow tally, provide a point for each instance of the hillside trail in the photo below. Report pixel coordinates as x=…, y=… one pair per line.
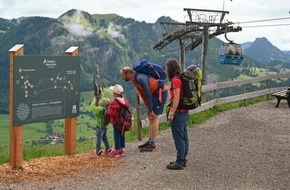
x=244, y=148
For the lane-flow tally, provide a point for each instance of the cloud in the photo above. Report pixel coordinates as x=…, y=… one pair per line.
x=75, y=27
x=78, y=30
x=115, y=32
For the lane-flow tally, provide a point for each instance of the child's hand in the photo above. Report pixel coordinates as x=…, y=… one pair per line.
x=152, y=116
x=107, y=102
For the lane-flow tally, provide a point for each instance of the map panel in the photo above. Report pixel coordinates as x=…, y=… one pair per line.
x=45, y=88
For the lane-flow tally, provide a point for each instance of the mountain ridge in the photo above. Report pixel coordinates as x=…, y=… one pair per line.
x=109, y=40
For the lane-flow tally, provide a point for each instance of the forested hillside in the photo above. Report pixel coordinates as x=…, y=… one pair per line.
x=110, y=41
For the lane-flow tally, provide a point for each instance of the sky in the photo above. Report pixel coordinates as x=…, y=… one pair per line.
x=270, y=12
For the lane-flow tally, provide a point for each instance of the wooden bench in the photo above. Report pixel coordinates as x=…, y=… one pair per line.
x=283, y=94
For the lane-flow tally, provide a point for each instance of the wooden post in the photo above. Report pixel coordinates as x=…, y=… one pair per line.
x=244, y=91
x=268, y=87
x=70, y=123
x=16, y=132
x=139, y=123
x=214, y=97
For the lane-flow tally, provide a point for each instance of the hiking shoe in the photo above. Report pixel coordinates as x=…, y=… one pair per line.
x=100, y=152
x=108, y=150
x=113, y=153
x=143, y=145
x=148, y=148
x=121, y=152
x=183, y=165
x=174, y=166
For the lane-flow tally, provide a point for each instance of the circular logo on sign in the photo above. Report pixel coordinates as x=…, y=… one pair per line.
x=22, y=111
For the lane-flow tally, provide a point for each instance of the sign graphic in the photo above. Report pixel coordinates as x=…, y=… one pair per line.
x=46, y=88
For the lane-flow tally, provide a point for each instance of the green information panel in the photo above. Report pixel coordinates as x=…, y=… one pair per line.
x=45, y=88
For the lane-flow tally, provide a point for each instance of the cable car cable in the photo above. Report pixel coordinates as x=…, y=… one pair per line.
x=266, y=25
x=266, y=20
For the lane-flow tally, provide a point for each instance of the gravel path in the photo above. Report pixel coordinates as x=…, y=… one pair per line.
x=245, y=148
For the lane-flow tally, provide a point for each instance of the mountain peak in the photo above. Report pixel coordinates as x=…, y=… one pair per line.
x=76, y=16
x=78, y=22
x=72, y=12
x=262, y=42
x=264, y=51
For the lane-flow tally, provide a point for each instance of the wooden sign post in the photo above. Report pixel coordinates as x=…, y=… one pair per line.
x=16, y=132
x=70, y=123
x=16, y=127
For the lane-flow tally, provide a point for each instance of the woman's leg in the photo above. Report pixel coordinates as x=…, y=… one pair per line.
x=179, y=133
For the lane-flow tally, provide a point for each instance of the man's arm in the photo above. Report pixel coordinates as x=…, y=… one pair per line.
x=143, y=82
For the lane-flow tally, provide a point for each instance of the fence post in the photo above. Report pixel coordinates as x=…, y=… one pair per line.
x=138, y=112
x=214, y=97
x=70, y=123
x=244, y=91
x=228, y=91
x=16, y=132
x=268, y=87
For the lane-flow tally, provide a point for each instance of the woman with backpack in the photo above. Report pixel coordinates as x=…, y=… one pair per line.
x=177, y=116
x=113, y=112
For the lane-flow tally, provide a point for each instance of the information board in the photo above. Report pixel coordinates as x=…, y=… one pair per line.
x=45, y=88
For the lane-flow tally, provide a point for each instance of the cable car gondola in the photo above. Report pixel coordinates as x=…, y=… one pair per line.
x=231, y=53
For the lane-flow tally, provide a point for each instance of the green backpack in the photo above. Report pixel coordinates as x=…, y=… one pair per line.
x=191, y=87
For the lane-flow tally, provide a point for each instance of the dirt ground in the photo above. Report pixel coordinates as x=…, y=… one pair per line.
x=55, y=168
